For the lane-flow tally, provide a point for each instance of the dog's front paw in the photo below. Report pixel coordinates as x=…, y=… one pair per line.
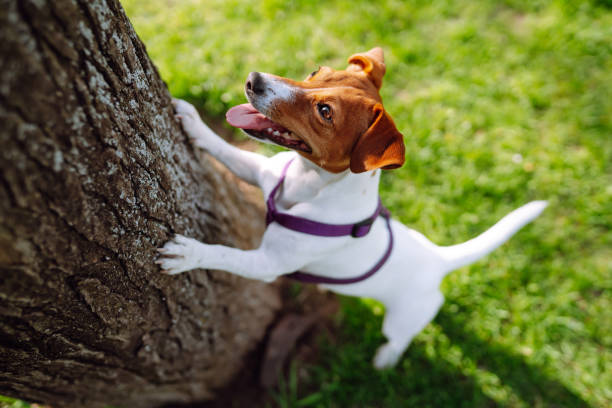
x=184, y=108
x=386, y=356
x=179, y=255
x=187, y=114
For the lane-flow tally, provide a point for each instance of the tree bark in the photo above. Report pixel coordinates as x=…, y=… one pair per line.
x=96, y=174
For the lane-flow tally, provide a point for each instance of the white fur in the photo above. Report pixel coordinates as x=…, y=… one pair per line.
x=407, y=284
x=276, y=91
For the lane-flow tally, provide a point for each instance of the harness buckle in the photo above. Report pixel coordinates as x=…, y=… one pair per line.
x=361, y=229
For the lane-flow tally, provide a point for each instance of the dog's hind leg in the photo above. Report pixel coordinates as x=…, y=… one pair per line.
x=404, y=320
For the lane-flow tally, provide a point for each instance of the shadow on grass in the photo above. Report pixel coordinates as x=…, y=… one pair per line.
x=420, y=380
x=347, y=378
x=419, y=383
x=529, y=382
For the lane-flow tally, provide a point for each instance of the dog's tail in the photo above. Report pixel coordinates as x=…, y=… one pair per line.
x=474, y=249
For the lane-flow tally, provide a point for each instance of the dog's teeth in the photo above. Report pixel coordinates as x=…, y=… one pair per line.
x=276, y=133
x=269, y=130
x=286, y=134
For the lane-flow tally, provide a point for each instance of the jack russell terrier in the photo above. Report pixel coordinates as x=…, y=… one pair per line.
x=324, y=217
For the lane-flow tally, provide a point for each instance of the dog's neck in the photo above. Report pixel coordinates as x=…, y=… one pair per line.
x=345, y=191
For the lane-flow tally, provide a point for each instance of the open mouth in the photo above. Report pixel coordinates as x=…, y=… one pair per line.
x=256, y=124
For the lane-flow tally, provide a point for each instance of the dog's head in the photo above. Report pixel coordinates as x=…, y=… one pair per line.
x=333, y=118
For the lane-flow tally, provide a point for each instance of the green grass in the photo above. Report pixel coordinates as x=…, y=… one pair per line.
x=6, y=402
x=500, y=103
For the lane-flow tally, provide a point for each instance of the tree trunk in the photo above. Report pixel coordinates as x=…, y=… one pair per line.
x=96, y=174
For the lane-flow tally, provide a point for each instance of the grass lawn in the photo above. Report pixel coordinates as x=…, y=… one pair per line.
x=500, y=103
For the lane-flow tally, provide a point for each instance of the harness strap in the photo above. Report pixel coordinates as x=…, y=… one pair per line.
x=310, y=278
x=310, y=227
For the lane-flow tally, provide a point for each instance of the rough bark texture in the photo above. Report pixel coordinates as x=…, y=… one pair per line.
x=95, y=174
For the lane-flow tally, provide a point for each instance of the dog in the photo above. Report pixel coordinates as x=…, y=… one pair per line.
x=340, y=138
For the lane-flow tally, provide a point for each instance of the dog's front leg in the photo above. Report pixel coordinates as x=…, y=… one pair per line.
x=246, y=165
x=182, y=254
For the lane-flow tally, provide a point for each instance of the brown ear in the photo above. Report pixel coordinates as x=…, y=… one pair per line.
x=381, y=146
x=371, y=62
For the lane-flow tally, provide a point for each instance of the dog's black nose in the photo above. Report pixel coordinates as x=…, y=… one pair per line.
x=255, y=84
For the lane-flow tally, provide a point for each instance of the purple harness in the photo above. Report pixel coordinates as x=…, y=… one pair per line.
x=310, y=227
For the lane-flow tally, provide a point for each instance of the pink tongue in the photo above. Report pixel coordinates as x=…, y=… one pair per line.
x=247, y=117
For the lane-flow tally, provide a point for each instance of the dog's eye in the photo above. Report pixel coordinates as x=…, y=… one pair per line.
x=325, y=111
x=313, y=73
